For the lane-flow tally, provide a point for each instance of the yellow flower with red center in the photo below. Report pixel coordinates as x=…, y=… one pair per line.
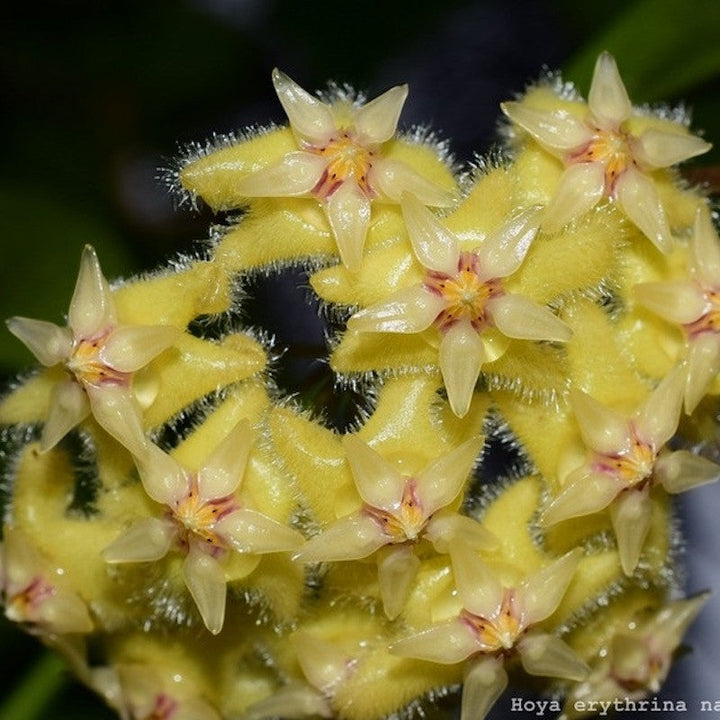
x=100, y=356
x=694, y=304
x=203, y=519
x=495, y=621
x=341, y=161
x=603, y=158
x=397, y=512
x=462, y=295
x=627, y=457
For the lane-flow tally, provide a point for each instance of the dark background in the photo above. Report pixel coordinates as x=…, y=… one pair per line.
x=97, y=96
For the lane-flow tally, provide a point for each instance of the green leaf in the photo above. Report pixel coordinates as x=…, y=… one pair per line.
x=664, y=48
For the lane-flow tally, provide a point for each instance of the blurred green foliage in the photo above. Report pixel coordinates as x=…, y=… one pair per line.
x=98, y=93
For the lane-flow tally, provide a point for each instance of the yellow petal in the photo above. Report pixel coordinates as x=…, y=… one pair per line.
x=350, y=538
x=703, y=365
x=483, y=684
x=608, y=99
x=630, y=515
x=461, y=356
x=48, y=342
x=682, y=470
x=91, y=307
x=639, y=200
x=549, y=656
x=435, y=246
x=205, y=580
x=602, y=428
x=411, y=310
x=579, y=189
x=396, y=572
x=380, y=485
x=680, y=301
x=69, y=406
x=144, y=541
x=249, y=531
x=519, y=317
x=660, y=148
x=222, y=472
x=294, y=175
x=559, y=130
x=348, y=211
x=310, y=118
x=376, y=121
x=131, y=347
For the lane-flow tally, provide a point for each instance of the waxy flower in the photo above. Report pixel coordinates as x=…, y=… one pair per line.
x=99, y=356
x=463, y=296
x=203, y=519
x=637, y=660
x=604, y=158
x=325, y=666
x=340, y=161
x=627, y=457
x=494, y=622
x=694, y=304
x=398, y=511
x=34, y=592
x=146, y=693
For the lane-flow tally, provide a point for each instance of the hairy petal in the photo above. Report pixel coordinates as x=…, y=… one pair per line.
x=435, y=246
x=376, y=121
x=48, y=342
x=630, y=514
x=608, y=99
x=310, y=118
x=91, y=307
x=205, y=579
x=639, y=200
x=461, y=356
x=410, y=310
x=579, y=189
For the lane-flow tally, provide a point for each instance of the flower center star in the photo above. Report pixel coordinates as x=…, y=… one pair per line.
x=466, y=294
x=88, y=367
x=709, y=321
x=612, y=149
x=407, y=523
x=346, y=158
x=633, y=466
x=198, y=517
x=499, y=633
x=20, y=606
x=163, y=709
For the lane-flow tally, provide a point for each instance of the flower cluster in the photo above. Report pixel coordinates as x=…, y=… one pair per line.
x=538, y=383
